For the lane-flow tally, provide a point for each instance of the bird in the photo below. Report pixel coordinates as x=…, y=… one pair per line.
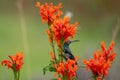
x=67, y=51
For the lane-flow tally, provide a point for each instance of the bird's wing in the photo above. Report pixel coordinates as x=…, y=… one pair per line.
x=67, y=50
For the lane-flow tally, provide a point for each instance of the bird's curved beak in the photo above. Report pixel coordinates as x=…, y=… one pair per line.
x=75, y=41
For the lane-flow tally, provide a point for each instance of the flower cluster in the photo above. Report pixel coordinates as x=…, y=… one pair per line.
x=62, y=30
x=66, y=69
x=109, y=54
x=102, y=60
x=15, y=63
x=49, y=12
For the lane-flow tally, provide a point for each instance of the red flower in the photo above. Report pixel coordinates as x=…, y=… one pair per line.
x=62, y=30
x=49, y=12
x=67, y=69
x=109, y=54
x=7, y=63
x=100, y=64
x=15, y=63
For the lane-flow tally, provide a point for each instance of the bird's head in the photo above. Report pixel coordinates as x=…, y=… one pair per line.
x=67, y=43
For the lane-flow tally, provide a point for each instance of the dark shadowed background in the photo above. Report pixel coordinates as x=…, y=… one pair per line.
x=21, y=30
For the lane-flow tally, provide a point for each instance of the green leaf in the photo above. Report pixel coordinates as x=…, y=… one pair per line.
x=51, y=63
x=52, y=69
x=45, y=69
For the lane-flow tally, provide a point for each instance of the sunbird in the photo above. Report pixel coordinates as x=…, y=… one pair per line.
x=67, y=51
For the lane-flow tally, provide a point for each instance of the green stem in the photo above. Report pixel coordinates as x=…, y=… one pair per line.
x=53, y=47
x=14, y=71
x=61, y=54
x=18, y=75
x=15, y=75
x=52, y=42
x=95, y=77
x=61, y=49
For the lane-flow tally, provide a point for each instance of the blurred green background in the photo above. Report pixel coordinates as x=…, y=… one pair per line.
x=21, y=30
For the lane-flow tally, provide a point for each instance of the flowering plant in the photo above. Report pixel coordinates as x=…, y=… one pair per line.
x=101, y=63
x=59, y=32
x=15, y=63
x=63, y=63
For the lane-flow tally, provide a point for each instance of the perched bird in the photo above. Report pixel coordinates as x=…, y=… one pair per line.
x=67, y=51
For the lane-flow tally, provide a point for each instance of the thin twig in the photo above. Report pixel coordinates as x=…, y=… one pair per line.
x=116, y=30
x=52, y=43
x=24, y=34
x=82, y=66
x=102, y=77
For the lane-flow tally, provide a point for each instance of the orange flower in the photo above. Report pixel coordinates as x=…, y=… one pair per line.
x=62, y=30
x=7, y=63
x=49, y=12
x=98, y=65
x=67, y=69
x=108, y=54
x=15, y=63
x=102, y=60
